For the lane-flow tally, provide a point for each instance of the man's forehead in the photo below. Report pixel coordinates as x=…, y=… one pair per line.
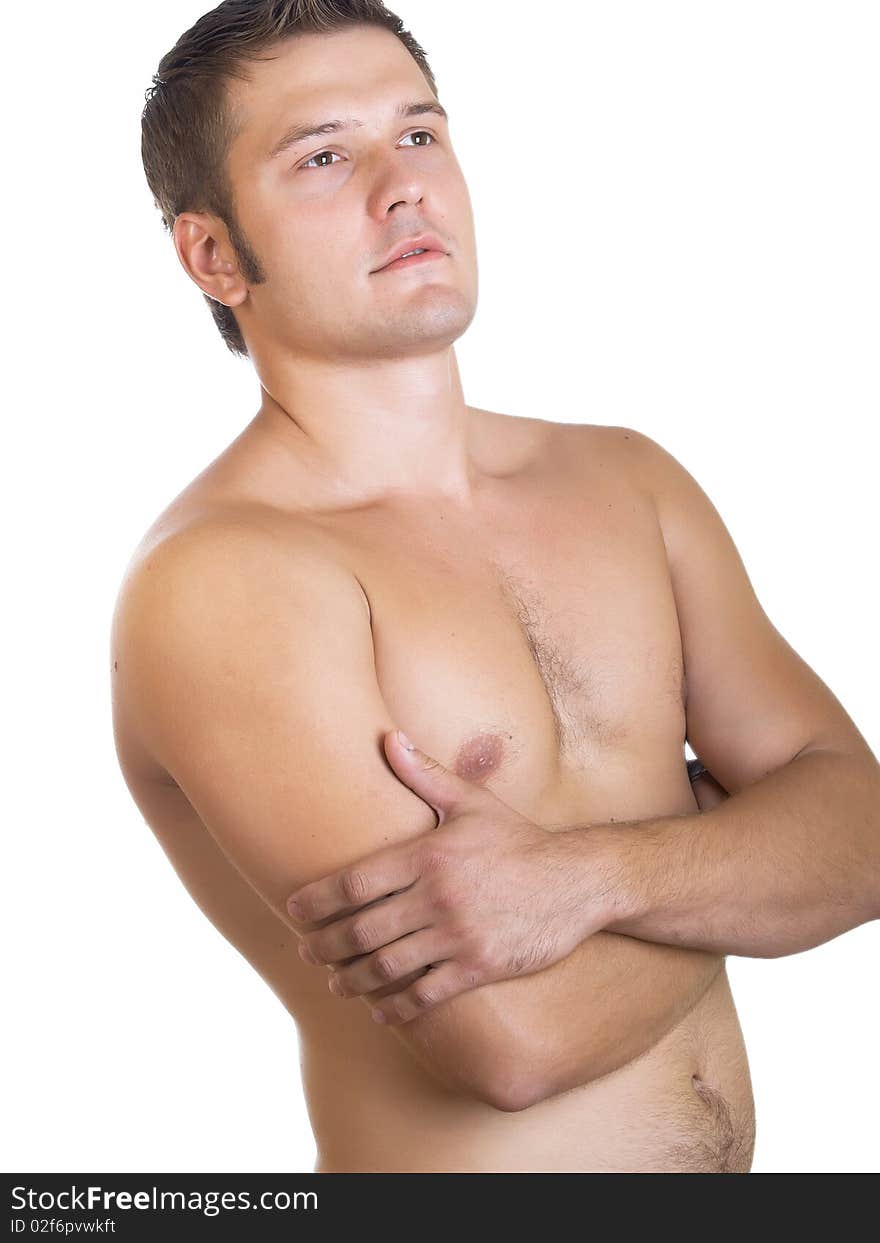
x=317, y=75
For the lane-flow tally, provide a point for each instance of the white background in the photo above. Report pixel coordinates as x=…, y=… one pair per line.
x=677, y=211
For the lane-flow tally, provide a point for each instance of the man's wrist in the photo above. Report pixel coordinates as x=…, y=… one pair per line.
x=605, y=862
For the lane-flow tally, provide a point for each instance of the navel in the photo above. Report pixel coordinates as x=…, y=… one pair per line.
x=479, y=756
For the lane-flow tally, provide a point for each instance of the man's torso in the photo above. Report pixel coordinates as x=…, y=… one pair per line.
x=536, y=650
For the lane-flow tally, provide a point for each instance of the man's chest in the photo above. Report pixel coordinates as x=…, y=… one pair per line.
x=538, y=651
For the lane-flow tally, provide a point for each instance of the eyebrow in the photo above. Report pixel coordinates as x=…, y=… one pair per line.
x=309, y=129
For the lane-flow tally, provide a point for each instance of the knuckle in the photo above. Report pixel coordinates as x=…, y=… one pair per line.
x=361, y=936
x=386, y=967
x=442, y=895
x=353, y=884
x=444, y=899
x=481, y=958
x=422, y=995
x=434, y=859
x=421, y=999
x=481, y=950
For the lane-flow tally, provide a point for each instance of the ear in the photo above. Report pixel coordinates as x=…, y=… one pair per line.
x=205, y=251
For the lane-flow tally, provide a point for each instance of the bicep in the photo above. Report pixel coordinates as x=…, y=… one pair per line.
x=254, y=689
x=752, y=702
x=257, y=692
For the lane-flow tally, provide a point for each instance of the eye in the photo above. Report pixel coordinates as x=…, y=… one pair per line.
x=317, y=157
x=311, y=162
x=424, y=133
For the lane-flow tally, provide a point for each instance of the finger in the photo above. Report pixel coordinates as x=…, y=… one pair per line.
x=391, y=962
x=448, y=979
x=441, y=789
x=369, y=879
x=369, y=929
x=396, y=986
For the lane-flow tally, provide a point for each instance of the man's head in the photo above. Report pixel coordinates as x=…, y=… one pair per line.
x=292, y=239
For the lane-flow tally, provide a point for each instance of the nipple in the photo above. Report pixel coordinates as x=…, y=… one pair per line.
x=479, y=756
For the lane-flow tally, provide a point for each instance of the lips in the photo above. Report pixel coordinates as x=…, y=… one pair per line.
x=425, y=241
x=411, y=261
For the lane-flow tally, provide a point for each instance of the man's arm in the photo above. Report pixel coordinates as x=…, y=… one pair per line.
x=780, y=867
x=250, y=670
x=792, y=859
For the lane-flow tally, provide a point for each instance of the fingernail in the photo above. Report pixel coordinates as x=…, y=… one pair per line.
x=378, y=1016
x=305, y=953
x=294, y=910
x=404, y=741
x=335, y=986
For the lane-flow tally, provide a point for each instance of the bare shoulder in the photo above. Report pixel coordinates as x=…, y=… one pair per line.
x=234, y=550
x=557, y=445
x=220, y=592
x=591, y=449
x=678, y=498
x=624, y=446
x=642, y=461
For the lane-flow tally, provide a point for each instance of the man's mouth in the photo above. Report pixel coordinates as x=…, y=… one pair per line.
x=415, y=249
x=413, y=259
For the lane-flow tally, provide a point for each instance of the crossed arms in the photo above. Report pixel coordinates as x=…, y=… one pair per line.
x=249, y=665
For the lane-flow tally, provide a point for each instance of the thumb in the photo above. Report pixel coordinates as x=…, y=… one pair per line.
x=441, y=789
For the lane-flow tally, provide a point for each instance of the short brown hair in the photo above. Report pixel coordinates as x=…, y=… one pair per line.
x=186, y=126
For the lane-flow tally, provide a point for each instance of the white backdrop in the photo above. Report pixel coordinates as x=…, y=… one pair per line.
x=677, y=211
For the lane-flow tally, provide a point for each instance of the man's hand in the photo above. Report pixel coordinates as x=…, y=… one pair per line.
x=485, y=896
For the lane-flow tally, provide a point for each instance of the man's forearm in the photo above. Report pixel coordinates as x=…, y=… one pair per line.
x=779, y=867
x=609, y=1001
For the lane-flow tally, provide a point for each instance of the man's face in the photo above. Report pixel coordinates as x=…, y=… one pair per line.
x=321, y=226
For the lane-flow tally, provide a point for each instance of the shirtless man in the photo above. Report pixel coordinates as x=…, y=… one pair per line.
x=522, y=598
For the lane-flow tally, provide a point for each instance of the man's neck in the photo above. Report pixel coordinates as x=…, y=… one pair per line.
x=387, y=428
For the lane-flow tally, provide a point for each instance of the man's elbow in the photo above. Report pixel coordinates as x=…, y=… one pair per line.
x=518, y=1081
x=485, y=1051
x=513, y=1092
x=507, y=1088
x=461, y=1045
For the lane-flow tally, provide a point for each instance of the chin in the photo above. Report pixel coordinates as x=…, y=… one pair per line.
x=448, y=311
